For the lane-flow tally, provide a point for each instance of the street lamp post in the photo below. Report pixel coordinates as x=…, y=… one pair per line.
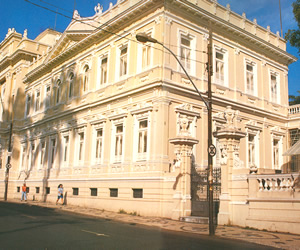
x=143, y=37
x=8, y=164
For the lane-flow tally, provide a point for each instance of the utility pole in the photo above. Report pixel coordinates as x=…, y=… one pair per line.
x=211, y=148
x=8, y=165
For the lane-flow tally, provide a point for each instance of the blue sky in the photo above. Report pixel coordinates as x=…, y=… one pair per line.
x=22, y=15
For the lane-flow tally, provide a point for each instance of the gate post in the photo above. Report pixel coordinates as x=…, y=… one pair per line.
x=183, y=150
x=229, y=141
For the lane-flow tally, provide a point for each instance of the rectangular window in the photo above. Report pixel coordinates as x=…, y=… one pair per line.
x=37, y=100
x=47, y=96
x=113, y=192
x=185, y=52
x=28, y=103
x=65, y=148
x=123, y=61
x=103, y=78
x=274, y=87
x=251, y=150
x=118, y=141
x=23, y=160
x=32, y=155
x=99, y=143
x=250, y=78
x=47, y=190
x=27, y=190
x=142, y=143
x=146, y=56
x=52, y=151
x=81, y=146
x=2, y=99
x=18, y=189
x=42, y=152
x=94, y=192
x=219, y=70
x=37, y=190
x=276, y=154
x=137, y=193
x=75, y=191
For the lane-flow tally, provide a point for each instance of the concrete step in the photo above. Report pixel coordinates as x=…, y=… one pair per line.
x=195, y=219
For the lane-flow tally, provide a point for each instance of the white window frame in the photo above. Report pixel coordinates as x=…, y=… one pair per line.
x=71, y=83
x=100, y=76
x=119, y=74
x=256, y=136
x=2, y=100
x=279, y=139
x=32, y=157
x=79, y=159
x=142, y=48
x=254, y=75
x=65, y=149
x=96, y=128
x=37, y=101
x=47, y=96
x=141, y=156
x=58, y=92
x=275, y=99
x=85, y=78
x=23, y=163
x=28, y=104
x=52, y=151
x=190, y=65
x=225, y=67
x=42, y=153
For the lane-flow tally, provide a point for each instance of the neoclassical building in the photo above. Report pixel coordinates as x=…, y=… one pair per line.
x=96, y=110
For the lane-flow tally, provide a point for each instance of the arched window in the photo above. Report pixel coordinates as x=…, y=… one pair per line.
x=71, y=85
x=85, y=78
x=58, y=91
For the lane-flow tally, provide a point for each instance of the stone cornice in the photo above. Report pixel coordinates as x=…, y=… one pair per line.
x=100, y=33
x=236, y=33
x=18, y=53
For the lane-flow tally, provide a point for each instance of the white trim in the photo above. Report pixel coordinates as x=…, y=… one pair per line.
x=224, y=52
x=254, y=65
x=99, y=70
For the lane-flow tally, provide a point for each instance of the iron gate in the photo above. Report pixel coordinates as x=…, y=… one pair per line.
x=199, y=191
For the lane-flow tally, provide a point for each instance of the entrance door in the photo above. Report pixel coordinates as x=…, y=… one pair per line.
x=199, y=192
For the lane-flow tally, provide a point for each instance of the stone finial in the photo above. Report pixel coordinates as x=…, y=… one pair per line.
x=98, y=9
x=110, y=5
x=268, y=28
x=244, y=15
x=76, y=14
x=255, y=21
x=228, y=7
x=25, y=34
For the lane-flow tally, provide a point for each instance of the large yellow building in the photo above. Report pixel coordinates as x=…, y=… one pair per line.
x=98, y=111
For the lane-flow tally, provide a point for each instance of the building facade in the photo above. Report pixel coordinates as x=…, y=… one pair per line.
x=98, y=111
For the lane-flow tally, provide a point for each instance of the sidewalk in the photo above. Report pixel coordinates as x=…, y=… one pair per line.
x=274, y=239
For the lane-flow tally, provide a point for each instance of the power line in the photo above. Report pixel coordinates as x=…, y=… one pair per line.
x=100, y=28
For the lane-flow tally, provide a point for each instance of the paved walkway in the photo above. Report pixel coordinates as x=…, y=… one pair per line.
x=278, y=240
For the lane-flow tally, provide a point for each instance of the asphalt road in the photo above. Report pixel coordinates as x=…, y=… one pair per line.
x=25, y=226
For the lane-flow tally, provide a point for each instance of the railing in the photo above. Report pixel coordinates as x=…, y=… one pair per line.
x=295, y=109
x=274, y=186
x=276, y=183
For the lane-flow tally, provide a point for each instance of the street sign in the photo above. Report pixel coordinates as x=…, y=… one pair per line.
x=212, y=150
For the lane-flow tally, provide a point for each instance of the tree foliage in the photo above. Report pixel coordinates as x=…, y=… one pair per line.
x=294, y=99
x=293, y=36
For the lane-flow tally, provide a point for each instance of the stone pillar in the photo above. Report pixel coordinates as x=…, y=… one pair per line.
x=182, y=164
x=231, y=165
